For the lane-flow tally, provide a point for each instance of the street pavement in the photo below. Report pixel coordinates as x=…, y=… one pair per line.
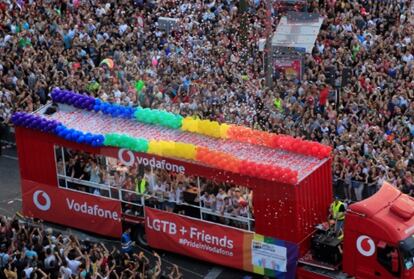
x=10, y=203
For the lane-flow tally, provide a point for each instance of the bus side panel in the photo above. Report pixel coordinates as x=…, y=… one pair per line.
x=36, y=156
x=274, y=208
x=313, y=197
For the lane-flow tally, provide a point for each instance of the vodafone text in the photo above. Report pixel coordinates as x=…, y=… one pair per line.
x=193, y=237
x=94, y=210
x=128, y=158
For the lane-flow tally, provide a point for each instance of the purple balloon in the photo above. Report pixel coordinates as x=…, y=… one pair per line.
x=65, y=98
x=58, y=98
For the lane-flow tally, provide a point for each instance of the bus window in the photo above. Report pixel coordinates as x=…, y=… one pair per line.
x=228, y=204
x=137, y=186
x=101, y=176
x=388, y=257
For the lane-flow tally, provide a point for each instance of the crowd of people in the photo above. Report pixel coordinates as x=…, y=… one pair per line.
x=209, y=65
x=33, y=251
x=137, y=185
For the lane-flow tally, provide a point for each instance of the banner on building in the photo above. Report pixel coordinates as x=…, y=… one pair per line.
x=290, y=67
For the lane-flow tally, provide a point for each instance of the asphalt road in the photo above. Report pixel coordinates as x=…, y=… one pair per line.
x=10, y=203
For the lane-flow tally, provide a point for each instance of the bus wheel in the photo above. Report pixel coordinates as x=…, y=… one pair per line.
x=142, y=237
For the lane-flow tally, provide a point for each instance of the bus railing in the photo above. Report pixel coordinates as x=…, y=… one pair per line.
x=142, y=197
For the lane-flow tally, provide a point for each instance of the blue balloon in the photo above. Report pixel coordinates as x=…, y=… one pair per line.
x=100, y=138
x=96, y=108
x=88, y=138
x=59, y=128
x=68, y=136
x=74, y=135
x=81, y=139
x=78, y=139
x=105, y=108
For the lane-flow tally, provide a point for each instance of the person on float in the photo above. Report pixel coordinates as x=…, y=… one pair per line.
x=337, y=215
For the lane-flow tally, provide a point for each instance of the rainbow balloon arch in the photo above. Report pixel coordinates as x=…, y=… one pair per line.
x=217, y=159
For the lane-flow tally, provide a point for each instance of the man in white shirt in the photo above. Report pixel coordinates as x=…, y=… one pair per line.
x=28, y=270
x=220, y=199
x=150, y=178
x=206, y=200
x=65, y=271
x=407, y=57
x=179, y=193
x=50, y=259
x=73, y=263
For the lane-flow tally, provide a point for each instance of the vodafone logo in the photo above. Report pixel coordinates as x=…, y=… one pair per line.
x=127, y=160
x=365, y=246
x=44, y=203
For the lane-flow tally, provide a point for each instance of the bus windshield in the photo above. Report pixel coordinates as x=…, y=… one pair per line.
x=407, y=252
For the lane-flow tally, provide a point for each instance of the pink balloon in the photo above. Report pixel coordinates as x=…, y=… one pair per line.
x=154, y=62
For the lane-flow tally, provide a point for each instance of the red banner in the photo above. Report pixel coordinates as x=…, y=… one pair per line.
x=72, y=209
x=201, y=240
x=291, y=67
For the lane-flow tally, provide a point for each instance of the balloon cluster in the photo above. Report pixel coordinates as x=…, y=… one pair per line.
x=284, y=142
x=172, y=149
x=300, y=146
x=205, y=127
x=73, y=99
x=79, y=137
x=218, y=160
x=113, y=109
x=158, y=117
x=267, y=172
x=52, y=126
x=34, y=122
x=124, y=141
x=244, y=134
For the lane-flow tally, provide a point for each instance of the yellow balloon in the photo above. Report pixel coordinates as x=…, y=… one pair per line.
x=223, y=131
x=185, y=150
x=205, y=127
x=154, y=147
